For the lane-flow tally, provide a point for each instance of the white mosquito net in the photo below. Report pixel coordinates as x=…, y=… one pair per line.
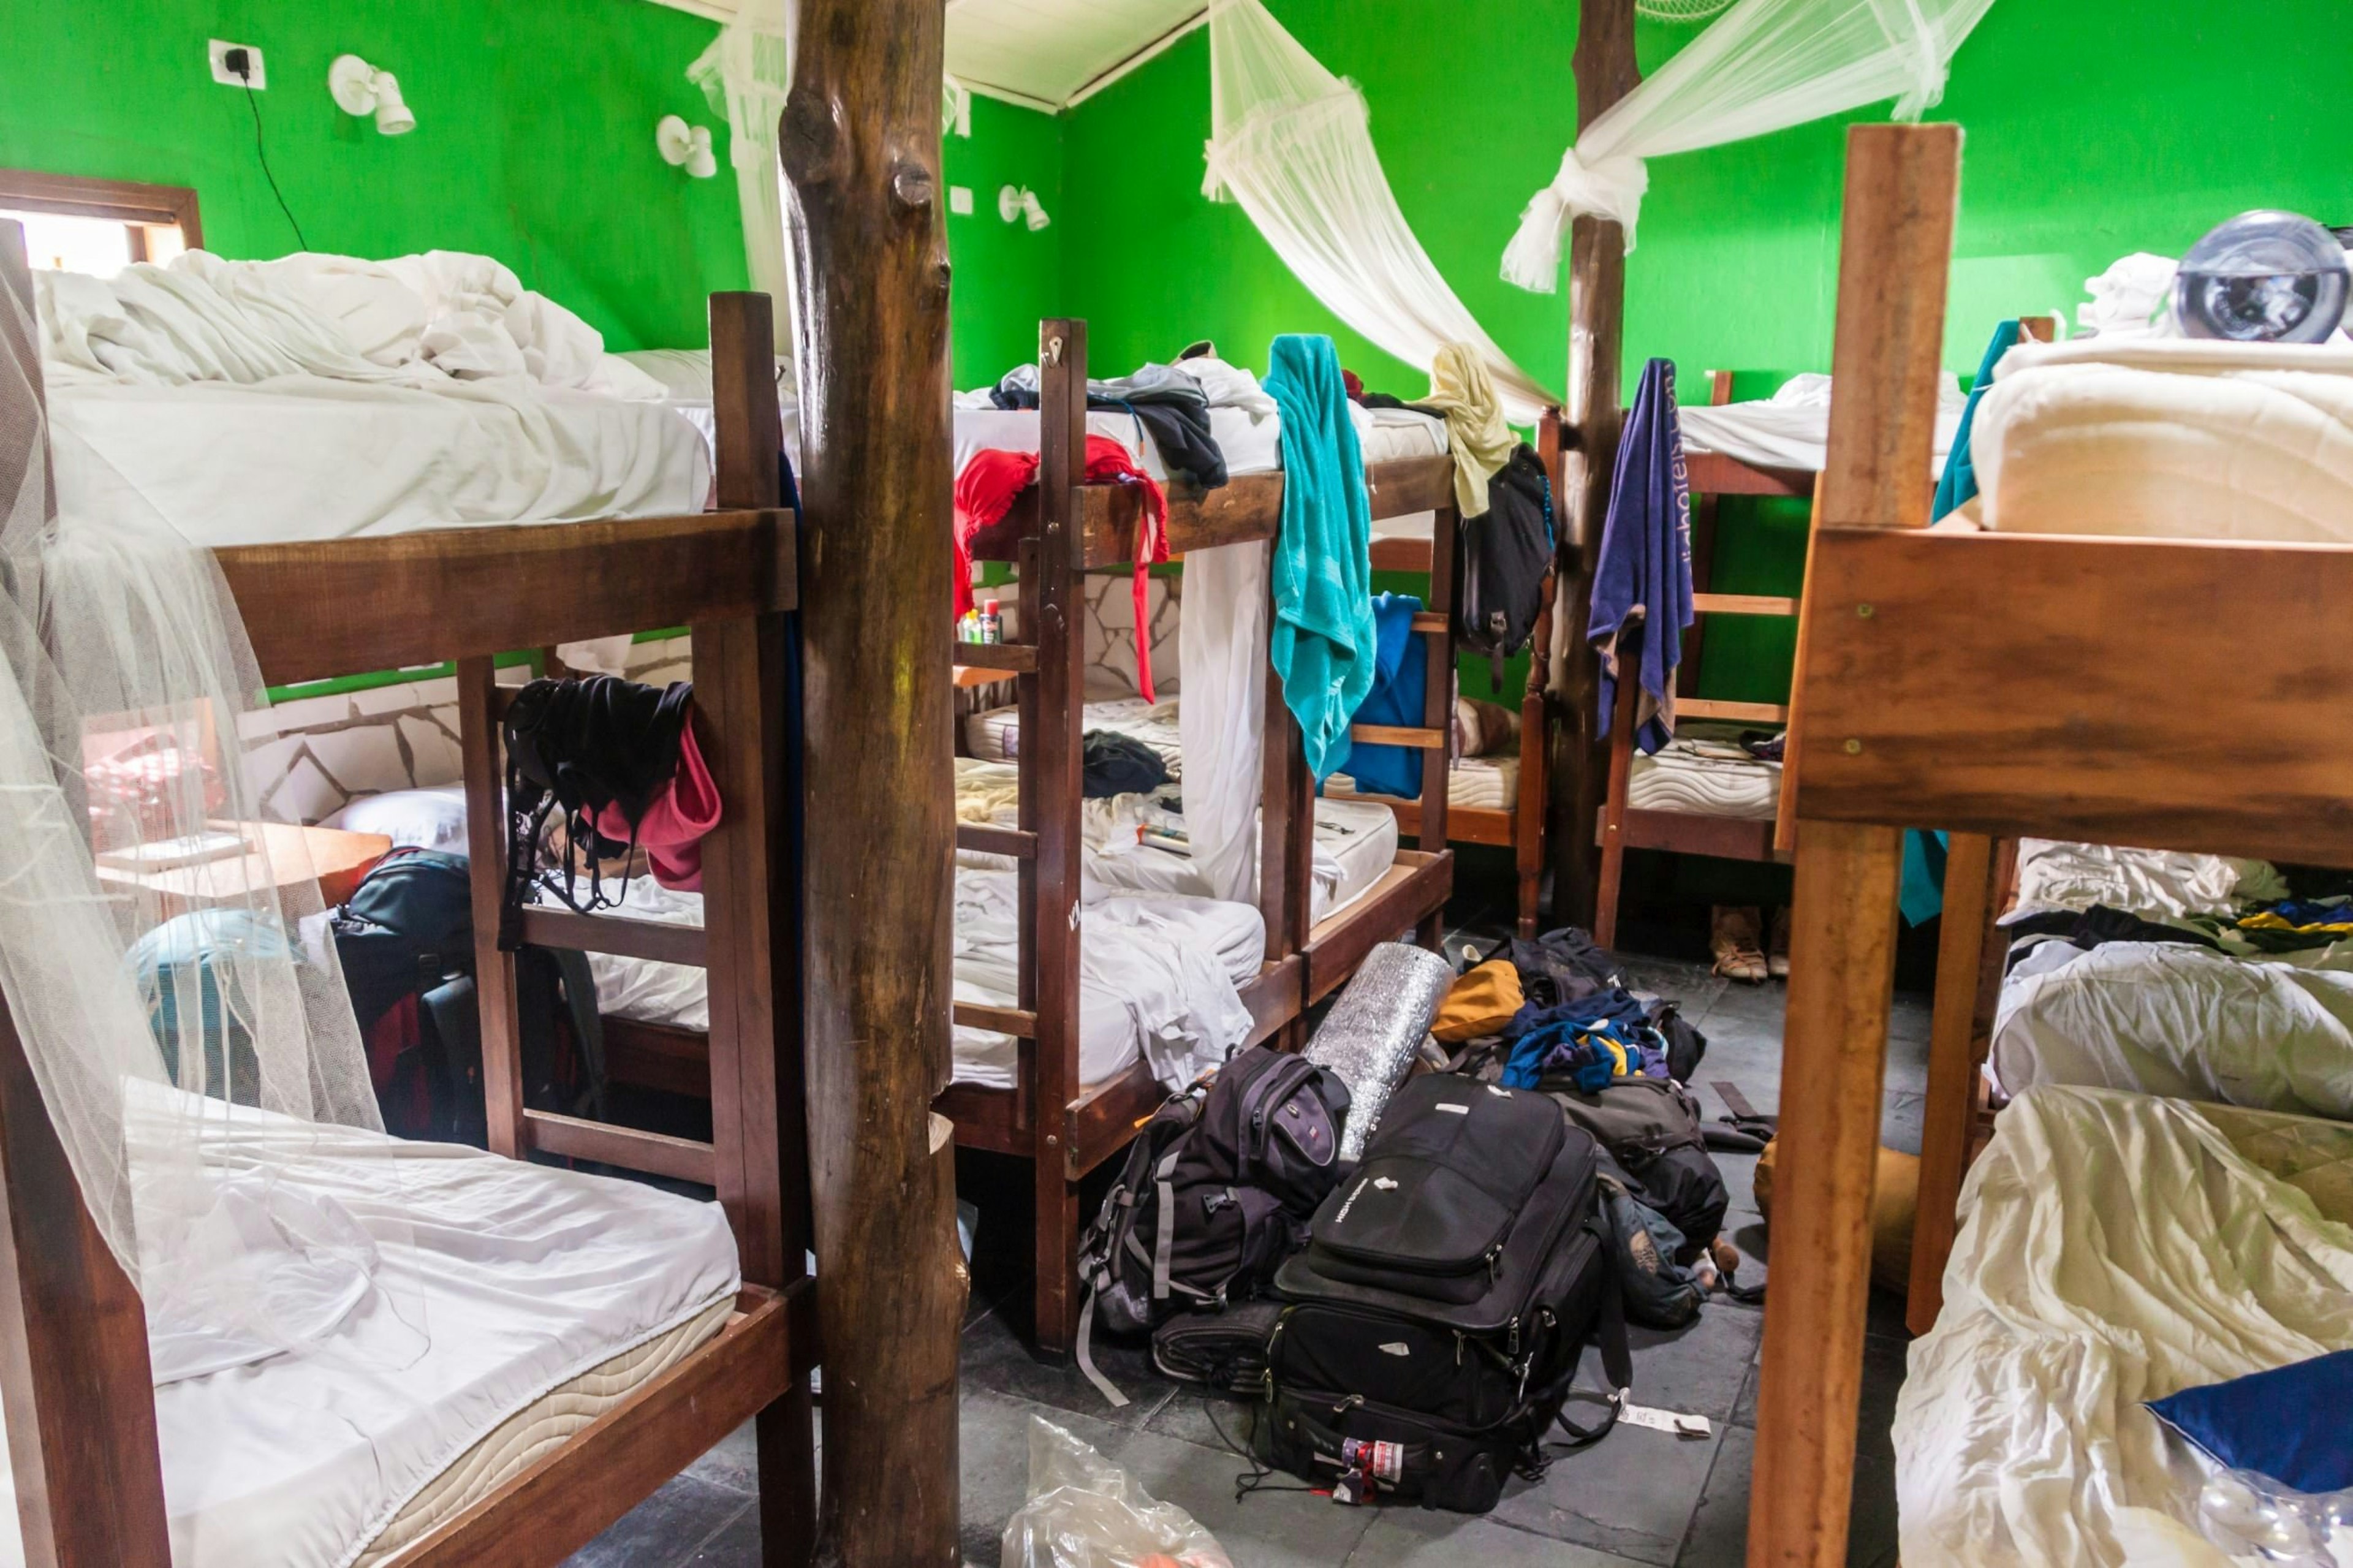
x=748, y=73
x=1290, y=143
x=1763, y=65
x=163, y=949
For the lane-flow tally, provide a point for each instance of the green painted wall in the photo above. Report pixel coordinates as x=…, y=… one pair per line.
x=1003, y=278
x=2092, y=132
x=533, y=143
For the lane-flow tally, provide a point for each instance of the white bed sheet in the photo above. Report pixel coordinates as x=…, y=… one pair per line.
x=1791, y=429
x=2172, y=1018
x=2114, y=1248
x=1132, y=998
x=499, y=1279
x=307, y=458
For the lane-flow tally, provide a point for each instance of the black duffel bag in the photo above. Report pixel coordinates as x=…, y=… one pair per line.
x=1439, y=1314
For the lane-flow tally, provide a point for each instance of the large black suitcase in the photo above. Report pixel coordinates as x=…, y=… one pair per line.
x=1438, y=1317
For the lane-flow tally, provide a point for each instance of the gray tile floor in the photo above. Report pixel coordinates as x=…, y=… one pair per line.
x=1639, y=1497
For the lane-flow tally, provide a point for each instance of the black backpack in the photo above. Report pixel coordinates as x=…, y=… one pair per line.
x=1439, y=1313
x=1501, y=559
x=408, y=932
x=1214, y=1195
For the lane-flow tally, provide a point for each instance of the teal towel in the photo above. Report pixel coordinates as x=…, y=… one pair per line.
x=1321, y=643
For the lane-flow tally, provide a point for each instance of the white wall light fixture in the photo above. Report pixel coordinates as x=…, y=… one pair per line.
x=361, y=88
x=1015, y=203
x=685, y=146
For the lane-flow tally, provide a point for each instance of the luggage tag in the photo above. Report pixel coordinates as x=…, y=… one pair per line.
x=1673, y=1422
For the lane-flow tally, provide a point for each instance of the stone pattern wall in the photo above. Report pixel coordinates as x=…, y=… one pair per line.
x=310, y=757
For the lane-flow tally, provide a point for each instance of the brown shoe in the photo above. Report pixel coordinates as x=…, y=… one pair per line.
x=1777, y=946
x=1736, y=938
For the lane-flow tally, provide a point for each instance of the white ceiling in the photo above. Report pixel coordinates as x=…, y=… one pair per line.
x=1048, y=54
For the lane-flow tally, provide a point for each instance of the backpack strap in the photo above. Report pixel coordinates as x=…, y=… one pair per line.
x=1163, y=1227
x=1109, y=1389
x=1617, y=1361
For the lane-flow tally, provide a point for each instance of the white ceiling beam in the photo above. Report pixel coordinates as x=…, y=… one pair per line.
x=1142, y=57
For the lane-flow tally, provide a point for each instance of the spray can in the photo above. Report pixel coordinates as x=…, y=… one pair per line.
x=992, y=623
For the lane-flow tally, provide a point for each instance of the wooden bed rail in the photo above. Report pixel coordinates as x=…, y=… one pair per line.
x=346, y=606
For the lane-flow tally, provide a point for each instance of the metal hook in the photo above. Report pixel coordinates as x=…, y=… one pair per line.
x=1053, y=356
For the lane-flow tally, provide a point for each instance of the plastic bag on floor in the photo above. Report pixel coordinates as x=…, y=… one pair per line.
x=1084, y=1513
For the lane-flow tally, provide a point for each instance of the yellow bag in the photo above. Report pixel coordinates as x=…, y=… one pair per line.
x=1895, y=1202
x=1482, y=1003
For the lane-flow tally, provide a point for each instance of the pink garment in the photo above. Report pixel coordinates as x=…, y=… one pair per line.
x=672, y=832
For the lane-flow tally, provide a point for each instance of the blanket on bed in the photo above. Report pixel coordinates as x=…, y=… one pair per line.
x=2114, y=1248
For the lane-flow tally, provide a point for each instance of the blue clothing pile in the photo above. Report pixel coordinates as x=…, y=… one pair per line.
x=1590, y=1041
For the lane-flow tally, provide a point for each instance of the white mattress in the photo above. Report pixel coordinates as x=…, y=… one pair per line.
x=1791, y=429
x=2169, y=438
x=307, y=458
x=499, y=1281
x=1705, y=771
x=1483, y=784
x=2114, y=1248
x=995, y=735
x=547, y=1424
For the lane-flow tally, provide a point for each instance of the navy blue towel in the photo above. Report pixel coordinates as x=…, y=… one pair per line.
x=1642, y=585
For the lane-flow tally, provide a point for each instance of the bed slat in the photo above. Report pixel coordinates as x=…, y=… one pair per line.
x=619, y=935
x=655, y=1153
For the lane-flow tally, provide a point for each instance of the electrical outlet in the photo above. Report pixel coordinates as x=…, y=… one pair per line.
x=218, y=49
x=960, y=200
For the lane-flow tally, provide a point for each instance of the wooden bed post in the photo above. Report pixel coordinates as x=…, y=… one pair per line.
x=759, y=1128
x=74, y=1376
x=1286, y=860
x=1438, y=704
x=1605, y=71
x=1969, y=956
x=1052, y=592
x=861, y=146
x=1901, y=186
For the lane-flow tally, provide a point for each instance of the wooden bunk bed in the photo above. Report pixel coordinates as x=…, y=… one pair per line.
x=1518, y=826
x=1999, y=685
x=1712, y=474
x=1058, y=531
x=80, y=1405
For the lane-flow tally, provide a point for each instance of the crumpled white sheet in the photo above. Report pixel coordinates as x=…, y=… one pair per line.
x=414, y=321
x=2169, y=1018
x=2114, y=1248
x=2155, y=884
x=1791, y=429
x=1156, y=974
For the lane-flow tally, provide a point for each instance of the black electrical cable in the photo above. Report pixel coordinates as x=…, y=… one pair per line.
x=245, y=74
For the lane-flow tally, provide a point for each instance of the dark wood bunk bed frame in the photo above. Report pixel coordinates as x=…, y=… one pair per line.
x=1998, y=686
x=1056, y=531
x=1518, y=827
x=73, y=1340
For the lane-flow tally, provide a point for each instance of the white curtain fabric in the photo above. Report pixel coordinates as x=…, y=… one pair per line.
x=1292, y=145
x=163, y=947
x=748, y=73
x=1763, y=65
x=1221, y=648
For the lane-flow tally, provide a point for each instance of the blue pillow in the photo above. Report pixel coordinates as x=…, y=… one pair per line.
x=2288, y=1423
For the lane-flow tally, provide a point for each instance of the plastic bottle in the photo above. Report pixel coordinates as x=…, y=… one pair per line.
x=2262, y=277
x=2252, y=1515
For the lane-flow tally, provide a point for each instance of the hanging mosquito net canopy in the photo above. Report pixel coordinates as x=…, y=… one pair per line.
x=1290, y=146
x=1763, y=65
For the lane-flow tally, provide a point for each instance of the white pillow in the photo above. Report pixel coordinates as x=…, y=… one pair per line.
x=432, y=819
